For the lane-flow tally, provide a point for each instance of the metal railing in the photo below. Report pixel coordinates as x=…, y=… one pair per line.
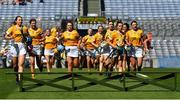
x=141, y=77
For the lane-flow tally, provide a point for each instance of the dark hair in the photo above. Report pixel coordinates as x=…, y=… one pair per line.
x=127, y=25
x=31, y=20
x=16, y=19
x=58, y=29
x=119, y=22
x=71, y=23
x=133, y=22
x=100, y=26
x=110, y=21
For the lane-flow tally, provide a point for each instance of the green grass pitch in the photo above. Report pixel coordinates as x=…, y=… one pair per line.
x=9, y=89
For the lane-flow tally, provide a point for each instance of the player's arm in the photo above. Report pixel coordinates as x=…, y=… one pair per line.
x=78, y=37
x=83, y=42
x=127, y=39
x=142, y=38
x=61, y=37
x=110, y=43
x=43, y=38
x=8, y=34
x=79, y=42
x=94, y=42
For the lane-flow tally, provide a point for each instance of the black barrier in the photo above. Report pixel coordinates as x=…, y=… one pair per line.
x=141, y=77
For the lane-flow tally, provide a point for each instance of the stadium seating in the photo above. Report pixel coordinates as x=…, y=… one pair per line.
x=46, y=12
x=165, y=48
x=143, y=8
x=161, y=17
x=48, y=9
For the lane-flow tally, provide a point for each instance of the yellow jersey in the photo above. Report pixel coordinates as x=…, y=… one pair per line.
x=118, y=39
x=110, y=35
x=36, y=35
x=98, y=38
x=15, y=31
x=88, y=40
x=134, y=37
x=50, y=42
x=70, y=38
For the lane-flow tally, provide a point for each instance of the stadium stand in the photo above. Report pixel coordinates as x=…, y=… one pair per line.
x=142, y=8
x=48, y=9
x=159, y=16
x=46, y=12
